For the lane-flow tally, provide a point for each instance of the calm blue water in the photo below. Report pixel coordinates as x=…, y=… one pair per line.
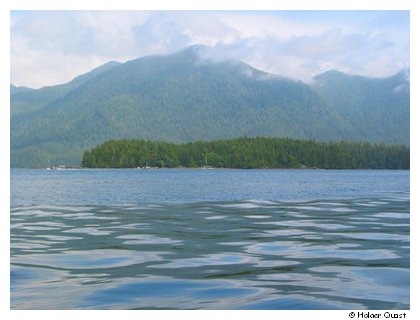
x=209, y=239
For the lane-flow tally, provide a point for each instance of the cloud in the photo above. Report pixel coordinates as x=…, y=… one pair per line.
x=50, y=47
x=260, y=24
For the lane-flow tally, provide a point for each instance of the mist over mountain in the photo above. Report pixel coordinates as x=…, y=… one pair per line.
x=190, y=96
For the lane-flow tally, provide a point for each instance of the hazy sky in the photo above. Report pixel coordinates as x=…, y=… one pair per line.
x=52, y=47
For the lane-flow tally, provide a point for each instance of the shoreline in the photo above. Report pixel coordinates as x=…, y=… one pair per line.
x=201, y=169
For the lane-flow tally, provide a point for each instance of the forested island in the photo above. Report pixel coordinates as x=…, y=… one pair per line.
x=248, y=153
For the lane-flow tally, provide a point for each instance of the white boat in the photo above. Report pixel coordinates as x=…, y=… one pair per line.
x=206, y=167
x=59, y=167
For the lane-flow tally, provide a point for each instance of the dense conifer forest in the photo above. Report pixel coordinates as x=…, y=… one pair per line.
x=248, y=153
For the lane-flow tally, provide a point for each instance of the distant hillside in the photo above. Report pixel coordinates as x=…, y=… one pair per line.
x=24, y=99
x=182, y=97
x=377, y=108
x=14, y=89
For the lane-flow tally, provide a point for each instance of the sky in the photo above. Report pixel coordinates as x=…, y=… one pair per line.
x=53, y=47
x=375, y=43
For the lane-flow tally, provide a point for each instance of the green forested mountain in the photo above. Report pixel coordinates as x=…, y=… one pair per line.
x=14, y=89
x=377, y=108
x=25, y=99
x=182, y=98
x=248, y=153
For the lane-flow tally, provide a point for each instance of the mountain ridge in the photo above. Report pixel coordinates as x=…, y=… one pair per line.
x=27, y=99
x=182, y=97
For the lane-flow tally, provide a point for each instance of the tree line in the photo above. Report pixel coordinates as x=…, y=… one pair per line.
x=248, y=153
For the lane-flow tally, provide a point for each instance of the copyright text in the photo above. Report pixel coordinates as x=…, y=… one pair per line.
x=377, y=315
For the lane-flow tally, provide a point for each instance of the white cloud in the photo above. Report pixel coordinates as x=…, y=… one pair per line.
x=262, y=25
x=206, y=28
x=50, y=47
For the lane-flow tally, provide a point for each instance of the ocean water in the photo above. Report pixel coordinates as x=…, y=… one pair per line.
x=210, y=239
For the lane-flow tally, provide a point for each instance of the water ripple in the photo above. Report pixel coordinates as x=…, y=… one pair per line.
x=224, y=255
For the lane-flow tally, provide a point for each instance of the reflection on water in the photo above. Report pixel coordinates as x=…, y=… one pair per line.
x=350, y=254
